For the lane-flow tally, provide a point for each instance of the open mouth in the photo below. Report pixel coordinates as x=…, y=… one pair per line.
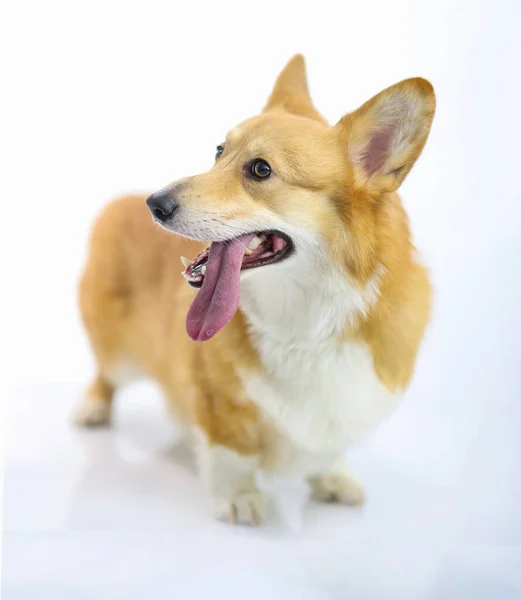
x=263, y=248
x=217, y=272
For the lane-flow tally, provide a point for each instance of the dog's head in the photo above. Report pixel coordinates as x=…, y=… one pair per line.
x=287, y=188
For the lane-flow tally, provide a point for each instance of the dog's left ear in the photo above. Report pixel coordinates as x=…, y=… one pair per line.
x=291, y=93
x=385, y=136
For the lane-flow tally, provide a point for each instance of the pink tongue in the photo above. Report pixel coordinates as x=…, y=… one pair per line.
x=218, y=298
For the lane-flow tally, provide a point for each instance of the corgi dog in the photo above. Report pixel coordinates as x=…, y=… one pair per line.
x=293, y=328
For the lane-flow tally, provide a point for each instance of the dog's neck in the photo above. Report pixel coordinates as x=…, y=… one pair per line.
x=305, y=305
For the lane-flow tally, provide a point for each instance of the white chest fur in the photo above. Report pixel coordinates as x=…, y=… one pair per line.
x=322, y=398
x=321, y=393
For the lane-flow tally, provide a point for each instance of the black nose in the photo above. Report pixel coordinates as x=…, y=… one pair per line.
x=162, y=205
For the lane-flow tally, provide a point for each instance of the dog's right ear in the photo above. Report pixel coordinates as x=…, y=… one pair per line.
x=291, y=93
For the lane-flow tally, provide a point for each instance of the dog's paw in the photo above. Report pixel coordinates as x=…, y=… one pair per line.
x=338, y=488
x=247, y=508
x=92, y=412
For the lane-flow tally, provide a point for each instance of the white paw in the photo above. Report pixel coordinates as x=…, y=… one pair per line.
x=92, y=412
x=248, y=508
x=337, y=487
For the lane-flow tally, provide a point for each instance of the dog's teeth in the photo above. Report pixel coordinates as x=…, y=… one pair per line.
x=185, y=261
x=203, y=269
x=254, y=244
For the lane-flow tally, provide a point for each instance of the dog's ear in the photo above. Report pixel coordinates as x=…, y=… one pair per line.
x=290, y=92
x=385, y=136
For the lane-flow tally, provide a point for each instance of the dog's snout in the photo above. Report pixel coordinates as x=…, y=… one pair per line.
x=162, y=205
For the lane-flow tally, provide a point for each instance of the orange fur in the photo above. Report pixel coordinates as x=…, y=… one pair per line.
x=134, y=301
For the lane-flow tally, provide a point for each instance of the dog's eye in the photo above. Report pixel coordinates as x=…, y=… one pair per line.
x=220, y=150
x=260, y=169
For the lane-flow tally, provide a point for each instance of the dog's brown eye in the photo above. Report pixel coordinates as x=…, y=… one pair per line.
x=220, y=150
x=260, y=169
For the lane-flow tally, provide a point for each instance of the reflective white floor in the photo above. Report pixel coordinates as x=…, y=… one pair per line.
x=120, y=513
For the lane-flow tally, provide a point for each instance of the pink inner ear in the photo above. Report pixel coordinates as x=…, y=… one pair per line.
x=377, y=151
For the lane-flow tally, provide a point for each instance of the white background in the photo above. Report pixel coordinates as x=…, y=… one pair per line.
x=101, y=98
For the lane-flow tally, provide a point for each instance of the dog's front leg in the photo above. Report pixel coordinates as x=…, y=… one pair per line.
x=229, y=478
x=327, y=474
x=336, y=484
